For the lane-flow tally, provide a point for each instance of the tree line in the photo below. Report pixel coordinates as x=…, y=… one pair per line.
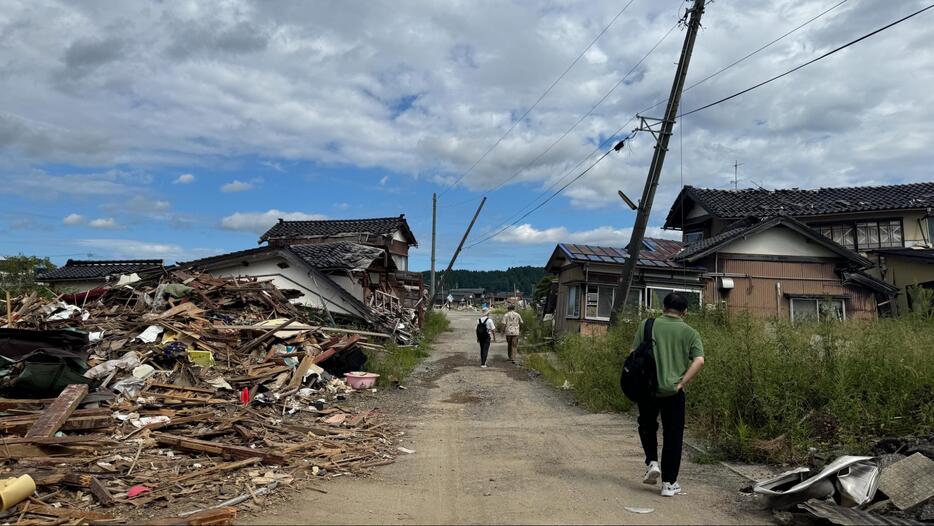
x=523, y=279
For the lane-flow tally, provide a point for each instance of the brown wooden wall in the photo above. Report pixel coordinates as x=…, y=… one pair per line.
x=755, y=287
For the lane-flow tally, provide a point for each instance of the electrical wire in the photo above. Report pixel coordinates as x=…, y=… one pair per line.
x=589, y=112
x=540, y=98
x=808, y=63
x=750, y=55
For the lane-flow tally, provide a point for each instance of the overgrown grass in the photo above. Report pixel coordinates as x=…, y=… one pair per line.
x=772, y=389
x=396, y=363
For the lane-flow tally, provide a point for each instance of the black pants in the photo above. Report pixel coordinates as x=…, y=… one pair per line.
x=484, y=350
x=672, y=411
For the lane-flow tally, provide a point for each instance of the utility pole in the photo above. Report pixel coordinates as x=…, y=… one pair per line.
x=460, y=245
x=736, y=165
x=662, y=138
x=434, y=223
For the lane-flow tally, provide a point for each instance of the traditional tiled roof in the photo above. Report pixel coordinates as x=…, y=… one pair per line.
x=923, y=254
x=752, y=226
x=340, y=255
x=385, y=226
x=804, y=203
x=75, y=269
x=655, y=253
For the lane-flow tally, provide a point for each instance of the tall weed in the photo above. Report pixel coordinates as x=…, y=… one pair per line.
x=396, y=363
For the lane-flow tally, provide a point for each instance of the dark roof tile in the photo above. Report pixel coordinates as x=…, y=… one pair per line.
x=93, y=270
x=385, y=226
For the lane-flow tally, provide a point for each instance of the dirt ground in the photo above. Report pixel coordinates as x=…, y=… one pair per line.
x=496, y=446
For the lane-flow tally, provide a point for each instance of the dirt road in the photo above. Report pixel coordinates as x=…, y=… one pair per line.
x=494, y=446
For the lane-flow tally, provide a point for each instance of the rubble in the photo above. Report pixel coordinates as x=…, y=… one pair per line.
x=154, y=399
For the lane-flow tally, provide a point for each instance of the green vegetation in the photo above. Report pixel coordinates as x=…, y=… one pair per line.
x=541, y=290
x=522, y=278
x=18, y=273
x=396, y=363
x=772, y=389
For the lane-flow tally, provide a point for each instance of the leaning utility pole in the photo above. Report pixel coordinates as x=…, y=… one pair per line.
x=434, y=223
x=457, y=252
x=658, y=159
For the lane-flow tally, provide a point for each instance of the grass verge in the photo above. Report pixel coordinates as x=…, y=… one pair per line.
x=772, y=389
x=396, y=363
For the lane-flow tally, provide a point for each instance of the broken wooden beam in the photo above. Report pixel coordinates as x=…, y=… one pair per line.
x=51, y=420
x=101, y=493
x=209, y=517
x=214, y=448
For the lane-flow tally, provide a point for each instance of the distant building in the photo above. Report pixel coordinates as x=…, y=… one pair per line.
x=81, y=275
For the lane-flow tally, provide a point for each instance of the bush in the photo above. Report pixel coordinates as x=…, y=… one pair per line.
x=772, y=389
x=396, y=363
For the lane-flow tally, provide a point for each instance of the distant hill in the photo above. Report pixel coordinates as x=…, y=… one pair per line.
x=522, y=278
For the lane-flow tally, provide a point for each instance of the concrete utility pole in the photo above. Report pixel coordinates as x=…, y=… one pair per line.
x=460, y=245
x=434, y=223
x=658, y=159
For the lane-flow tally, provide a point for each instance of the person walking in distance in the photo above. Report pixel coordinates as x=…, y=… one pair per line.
x=486, y=330
x=679, y=355
x=512, y=321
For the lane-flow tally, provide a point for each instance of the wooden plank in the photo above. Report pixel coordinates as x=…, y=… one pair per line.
x=180, y=388
x=209, y=517
x=213, y=448
x=53, y=441
x=52, y=418
x=17, y=403
x=301, y=371
x=220, y=468
x=259, y=340
x=67, y=513
x=101, y=493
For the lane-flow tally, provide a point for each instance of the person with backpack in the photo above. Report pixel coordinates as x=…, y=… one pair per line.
x=678, y=355
x=486, y=330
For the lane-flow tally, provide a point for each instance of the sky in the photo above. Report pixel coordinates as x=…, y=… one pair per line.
x=180, y=130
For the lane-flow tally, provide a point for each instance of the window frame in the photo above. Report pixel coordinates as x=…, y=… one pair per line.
x=700, y=295
x=587, y=303
x=573, y=292
x=853, y=227
x=684, y=237
x=817, y=302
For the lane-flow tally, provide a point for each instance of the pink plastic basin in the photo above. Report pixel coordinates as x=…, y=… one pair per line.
x=361, y=380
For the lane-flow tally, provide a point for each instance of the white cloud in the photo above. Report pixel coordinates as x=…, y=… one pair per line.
x=526, y=234
x=237, y=186
x=259, y=222
x=73, y=219
x=184, y=179
x=342, y=206
x=135, y=249
x=103, y=222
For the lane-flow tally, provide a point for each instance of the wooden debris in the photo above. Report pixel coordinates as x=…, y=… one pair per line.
x=214, y=448
x=52, y=418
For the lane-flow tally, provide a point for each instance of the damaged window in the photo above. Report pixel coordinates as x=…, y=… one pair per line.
x=599, y=302
x=816, y=309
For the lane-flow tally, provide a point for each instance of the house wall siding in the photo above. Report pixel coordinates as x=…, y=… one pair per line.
x=756, y=287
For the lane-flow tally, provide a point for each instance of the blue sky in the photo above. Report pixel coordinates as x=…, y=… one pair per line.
x=184, y=129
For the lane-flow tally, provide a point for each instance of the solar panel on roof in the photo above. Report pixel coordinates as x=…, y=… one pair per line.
x=585, y=249
x=649, y=245
x=598, y=251
x=593, y=257
x=608, y=259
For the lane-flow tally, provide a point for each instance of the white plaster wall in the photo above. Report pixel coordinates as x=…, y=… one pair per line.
x=402, y=262
x=290, y=278
x=777, y=241
x=348, y=284
x=397, y=235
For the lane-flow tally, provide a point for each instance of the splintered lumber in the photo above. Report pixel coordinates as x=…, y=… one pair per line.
x=51, y=420
x=15, y=403
x=216, y=469
x=301, y=371
x=101, y=493
x=55, y=441
x=210, y=517
x=339, y=347
x=214, y=448
x=67, y=513
x=249, y=346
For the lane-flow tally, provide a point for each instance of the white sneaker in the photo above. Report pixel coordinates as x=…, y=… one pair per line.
x=652, y=473
x=483, y=366
x=670, y=489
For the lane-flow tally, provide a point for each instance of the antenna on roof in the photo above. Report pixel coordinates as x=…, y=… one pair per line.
x=736, y=165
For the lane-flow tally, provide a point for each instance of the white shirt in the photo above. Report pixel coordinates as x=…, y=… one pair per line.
x=490, y=326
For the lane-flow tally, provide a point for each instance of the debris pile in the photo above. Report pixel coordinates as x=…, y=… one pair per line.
x=153, y=399
x=896, y=487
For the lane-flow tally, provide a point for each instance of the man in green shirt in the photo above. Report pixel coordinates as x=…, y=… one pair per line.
x=679, y=355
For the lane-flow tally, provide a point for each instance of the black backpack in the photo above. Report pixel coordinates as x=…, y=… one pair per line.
x=482, y=333
x=638, y=379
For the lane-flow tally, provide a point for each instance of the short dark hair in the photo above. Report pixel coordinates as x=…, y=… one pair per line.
x=676, y=302
x=511, y=306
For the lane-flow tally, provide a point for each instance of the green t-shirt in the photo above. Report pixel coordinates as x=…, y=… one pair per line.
x=676, y=344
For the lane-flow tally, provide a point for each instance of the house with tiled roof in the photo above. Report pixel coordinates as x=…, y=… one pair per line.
x=392, y=234
x=81, y=275
x=890, y=227
x=587, y=276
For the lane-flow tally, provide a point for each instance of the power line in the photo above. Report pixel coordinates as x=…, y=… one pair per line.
x=808, y=63
x=540, y=98
x=752, y=54
x=618, y=147
x=589, y=112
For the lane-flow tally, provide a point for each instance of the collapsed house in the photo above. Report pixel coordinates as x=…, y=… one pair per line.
x=80, y=275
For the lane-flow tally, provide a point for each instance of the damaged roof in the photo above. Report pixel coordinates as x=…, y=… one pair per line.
x=752, y=225
x=802, y=203
x=339, y=255
x=384, y=226
x=76, y=269
x=655, y=253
